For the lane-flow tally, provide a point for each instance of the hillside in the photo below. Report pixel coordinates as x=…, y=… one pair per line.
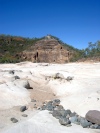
x=46, y=49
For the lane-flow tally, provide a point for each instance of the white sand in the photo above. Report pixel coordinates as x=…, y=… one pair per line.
x=80, y=95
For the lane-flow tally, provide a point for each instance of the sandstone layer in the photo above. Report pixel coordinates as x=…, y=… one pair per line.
x=47, y=50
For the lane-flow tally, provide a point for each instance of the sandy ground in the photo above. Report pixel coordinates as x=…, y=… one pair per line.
x=80, y=95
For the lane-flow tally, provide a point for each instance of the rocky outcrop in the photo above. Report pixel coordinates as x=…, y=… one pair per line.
x=47, y=50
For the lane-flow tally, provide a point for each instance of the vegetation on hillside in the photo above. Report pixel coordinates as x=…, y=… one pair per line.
x=10, y=46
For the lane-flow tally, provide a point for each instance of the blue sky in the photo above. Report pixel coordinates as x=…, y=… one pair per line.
x=75, y=22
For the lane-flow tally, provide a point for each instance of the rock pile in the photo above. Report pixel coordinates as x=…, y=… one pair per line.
x=66, y=117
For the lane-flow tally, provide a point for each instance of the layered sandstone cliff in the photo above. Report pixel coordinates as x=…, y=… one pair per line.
x=47, y=50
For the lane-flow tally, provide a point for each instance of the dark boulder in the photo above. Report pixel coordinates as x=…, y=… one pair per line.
x=23, y=108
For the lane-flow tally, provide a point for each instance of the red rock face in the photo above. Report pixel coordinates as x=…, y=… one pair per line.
x=93, y=116
x=47, y=50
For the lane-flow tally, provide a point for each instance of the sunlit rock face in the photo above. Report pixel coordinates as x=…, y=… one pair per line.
x=47, y=50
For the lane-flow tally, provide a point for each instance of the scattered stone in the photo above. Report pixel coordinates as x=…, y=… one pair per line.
x=56, y=114
x=69, y=78
x=73, y=119
x=24, y=115
x=97, y=98
x=68, y=111
x=79, y=118
x=43, y=107
x=63, y=113
x=64, y=121
x=11, y=72
x=73, y=114
x=66, y=117
x=69, y=125
x=58, y=76
x=23, y=108
x=49, y=106
x=94, y=126
x=35, y=106
x=77, y=123
x=98, y=127
x=33, y=100
x=39, y=108
x=59, y=107
x=93, y=116
x=14, y=120
x=45, y=78
x=23, y=83
x=84, y=123
x=16, y=77
x=56, y=102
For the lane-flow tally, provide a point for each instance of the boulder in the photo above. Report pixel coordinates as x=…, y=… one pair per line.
x=14, y=120
x=23, y=108
x=93, y=116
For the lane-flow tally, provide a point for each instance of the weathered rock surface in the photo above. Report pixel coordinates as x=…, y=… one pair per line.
x=47, y=50
x=93, y=116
